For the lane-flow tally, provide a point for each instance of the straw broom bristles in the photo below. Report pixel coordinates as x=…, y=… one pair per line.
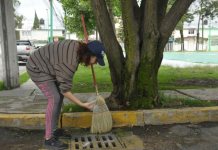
x=101, y=118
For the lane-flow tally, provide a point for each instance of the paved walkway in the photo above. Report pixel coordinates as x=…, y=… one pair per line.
x=28, y=98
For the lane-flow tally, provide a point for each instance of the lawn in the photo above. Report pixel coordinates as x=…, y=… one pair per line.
x=169, y=78
x=22, y=79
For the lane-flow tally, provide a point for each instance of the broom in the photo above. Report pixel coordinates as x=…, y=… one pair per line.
x=101, y=117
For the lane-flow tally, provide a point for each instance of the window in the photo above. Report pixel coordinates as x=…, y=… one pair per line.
x=214, y=41
x=191, y=31
x=26, y=33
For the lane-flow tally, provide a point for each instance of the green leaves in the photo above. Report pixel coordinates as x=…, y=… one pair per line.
x=18, y=18
x=207, y=8
x=74, y=9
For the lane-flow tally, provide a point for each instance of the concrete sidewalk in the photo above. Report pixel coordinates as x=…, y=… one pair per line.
x=27, y=102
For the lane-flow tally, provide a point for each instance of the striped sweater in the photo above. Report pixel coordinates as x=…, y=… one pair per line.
x=54, y=62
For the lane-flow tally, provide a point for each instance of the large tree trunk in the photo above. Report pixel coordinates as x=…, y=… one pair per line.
x=146, y=29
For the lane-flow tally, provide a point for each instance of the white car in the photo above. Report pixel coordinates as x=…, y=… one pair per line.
x=24, y=48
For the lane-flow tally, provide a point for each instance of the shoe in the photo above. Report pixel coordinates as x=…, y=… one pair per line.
x=61, y=133
x=55, y=144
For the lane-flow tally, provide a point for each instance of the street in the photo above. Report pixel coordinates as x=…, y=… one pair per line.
x=202, y=136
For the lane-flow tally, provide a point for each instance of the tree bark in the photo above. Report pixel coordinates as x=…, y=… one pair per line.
x=132, y=42
x=110, y=10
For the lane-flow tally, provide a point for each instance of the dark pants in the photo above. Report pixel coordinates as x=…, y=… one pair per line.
x=55, y=100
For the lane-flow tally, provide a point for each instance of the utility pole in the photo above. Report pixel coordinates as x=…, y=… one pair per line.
x=8, y=45
x=51, y=21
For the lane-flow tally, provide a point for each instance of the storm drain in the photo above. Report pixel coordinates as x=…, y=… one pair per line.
x=96, y=142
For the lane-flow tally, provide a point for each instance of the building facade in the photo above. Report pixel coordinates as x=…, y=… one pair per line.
x=208, y=40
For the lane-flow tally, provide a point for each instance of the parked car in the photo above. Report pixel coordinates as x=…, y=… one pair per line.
x=24, y=48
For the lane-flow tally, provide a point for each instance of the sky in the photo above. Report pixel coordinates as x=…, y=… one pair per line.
x=42, y=8
x=27, y=8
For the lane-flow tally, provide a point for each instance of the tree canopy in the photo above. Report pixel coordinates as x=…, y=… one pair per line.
x=75, y=8
x=18, y=18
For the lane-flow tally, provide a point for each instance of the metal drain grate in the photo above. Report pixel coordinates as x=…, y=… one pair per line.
x=95, y=142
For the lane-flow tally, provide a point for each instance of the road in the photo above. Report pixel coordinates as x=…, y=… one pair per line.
x=166, y=137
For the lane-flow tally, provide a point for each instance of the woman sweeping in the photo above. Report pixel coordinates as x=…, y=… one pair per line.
x=52, y=68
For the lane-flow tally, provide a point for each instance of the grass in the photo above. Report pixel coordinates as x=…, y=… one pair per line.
x=167, y=77
x=167, y=81
x=169, y=102
x=73, y=108
x=1, y=86
x=83, y=82
x=22, y=79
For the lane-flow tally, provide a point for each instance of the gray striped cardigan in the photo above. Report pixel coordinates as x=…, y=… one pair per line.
x=54, y=62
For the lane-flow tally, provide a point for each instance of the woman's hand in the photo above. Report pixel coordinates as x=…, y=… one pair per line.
x=88, y=105
x=71, y=97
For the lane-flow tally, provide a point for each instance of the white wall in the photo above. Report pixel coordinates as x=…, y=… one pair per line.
x=190, y=39
x=35, y=35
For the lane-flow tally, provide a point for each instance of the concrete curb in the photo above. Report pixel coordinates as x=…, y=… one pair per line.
x=120, y=118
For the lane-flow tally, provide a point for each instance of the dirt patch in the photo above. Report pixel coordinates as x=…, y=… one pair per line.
x=197, y=82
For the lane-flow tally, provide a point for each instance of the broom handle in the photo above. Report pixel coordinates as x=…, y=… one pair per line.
x=86, y=40
x=84, y=29
x=94, y=80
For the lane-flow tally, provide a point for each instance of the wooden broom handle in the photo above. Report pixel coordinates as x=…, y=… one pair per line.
x=94, y=80
x=86, y=40
x=84, y=29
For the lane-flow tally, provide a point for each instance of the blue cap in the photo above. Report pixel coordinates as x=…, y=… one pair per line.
x=97, y=48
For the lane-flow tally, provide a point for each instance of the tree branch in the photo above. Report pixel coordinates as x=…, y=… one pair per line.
x=170, y=21
x=136, y=10
x=150, y=28
x=162, y=7
x=131, y=26
x=113, y=49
